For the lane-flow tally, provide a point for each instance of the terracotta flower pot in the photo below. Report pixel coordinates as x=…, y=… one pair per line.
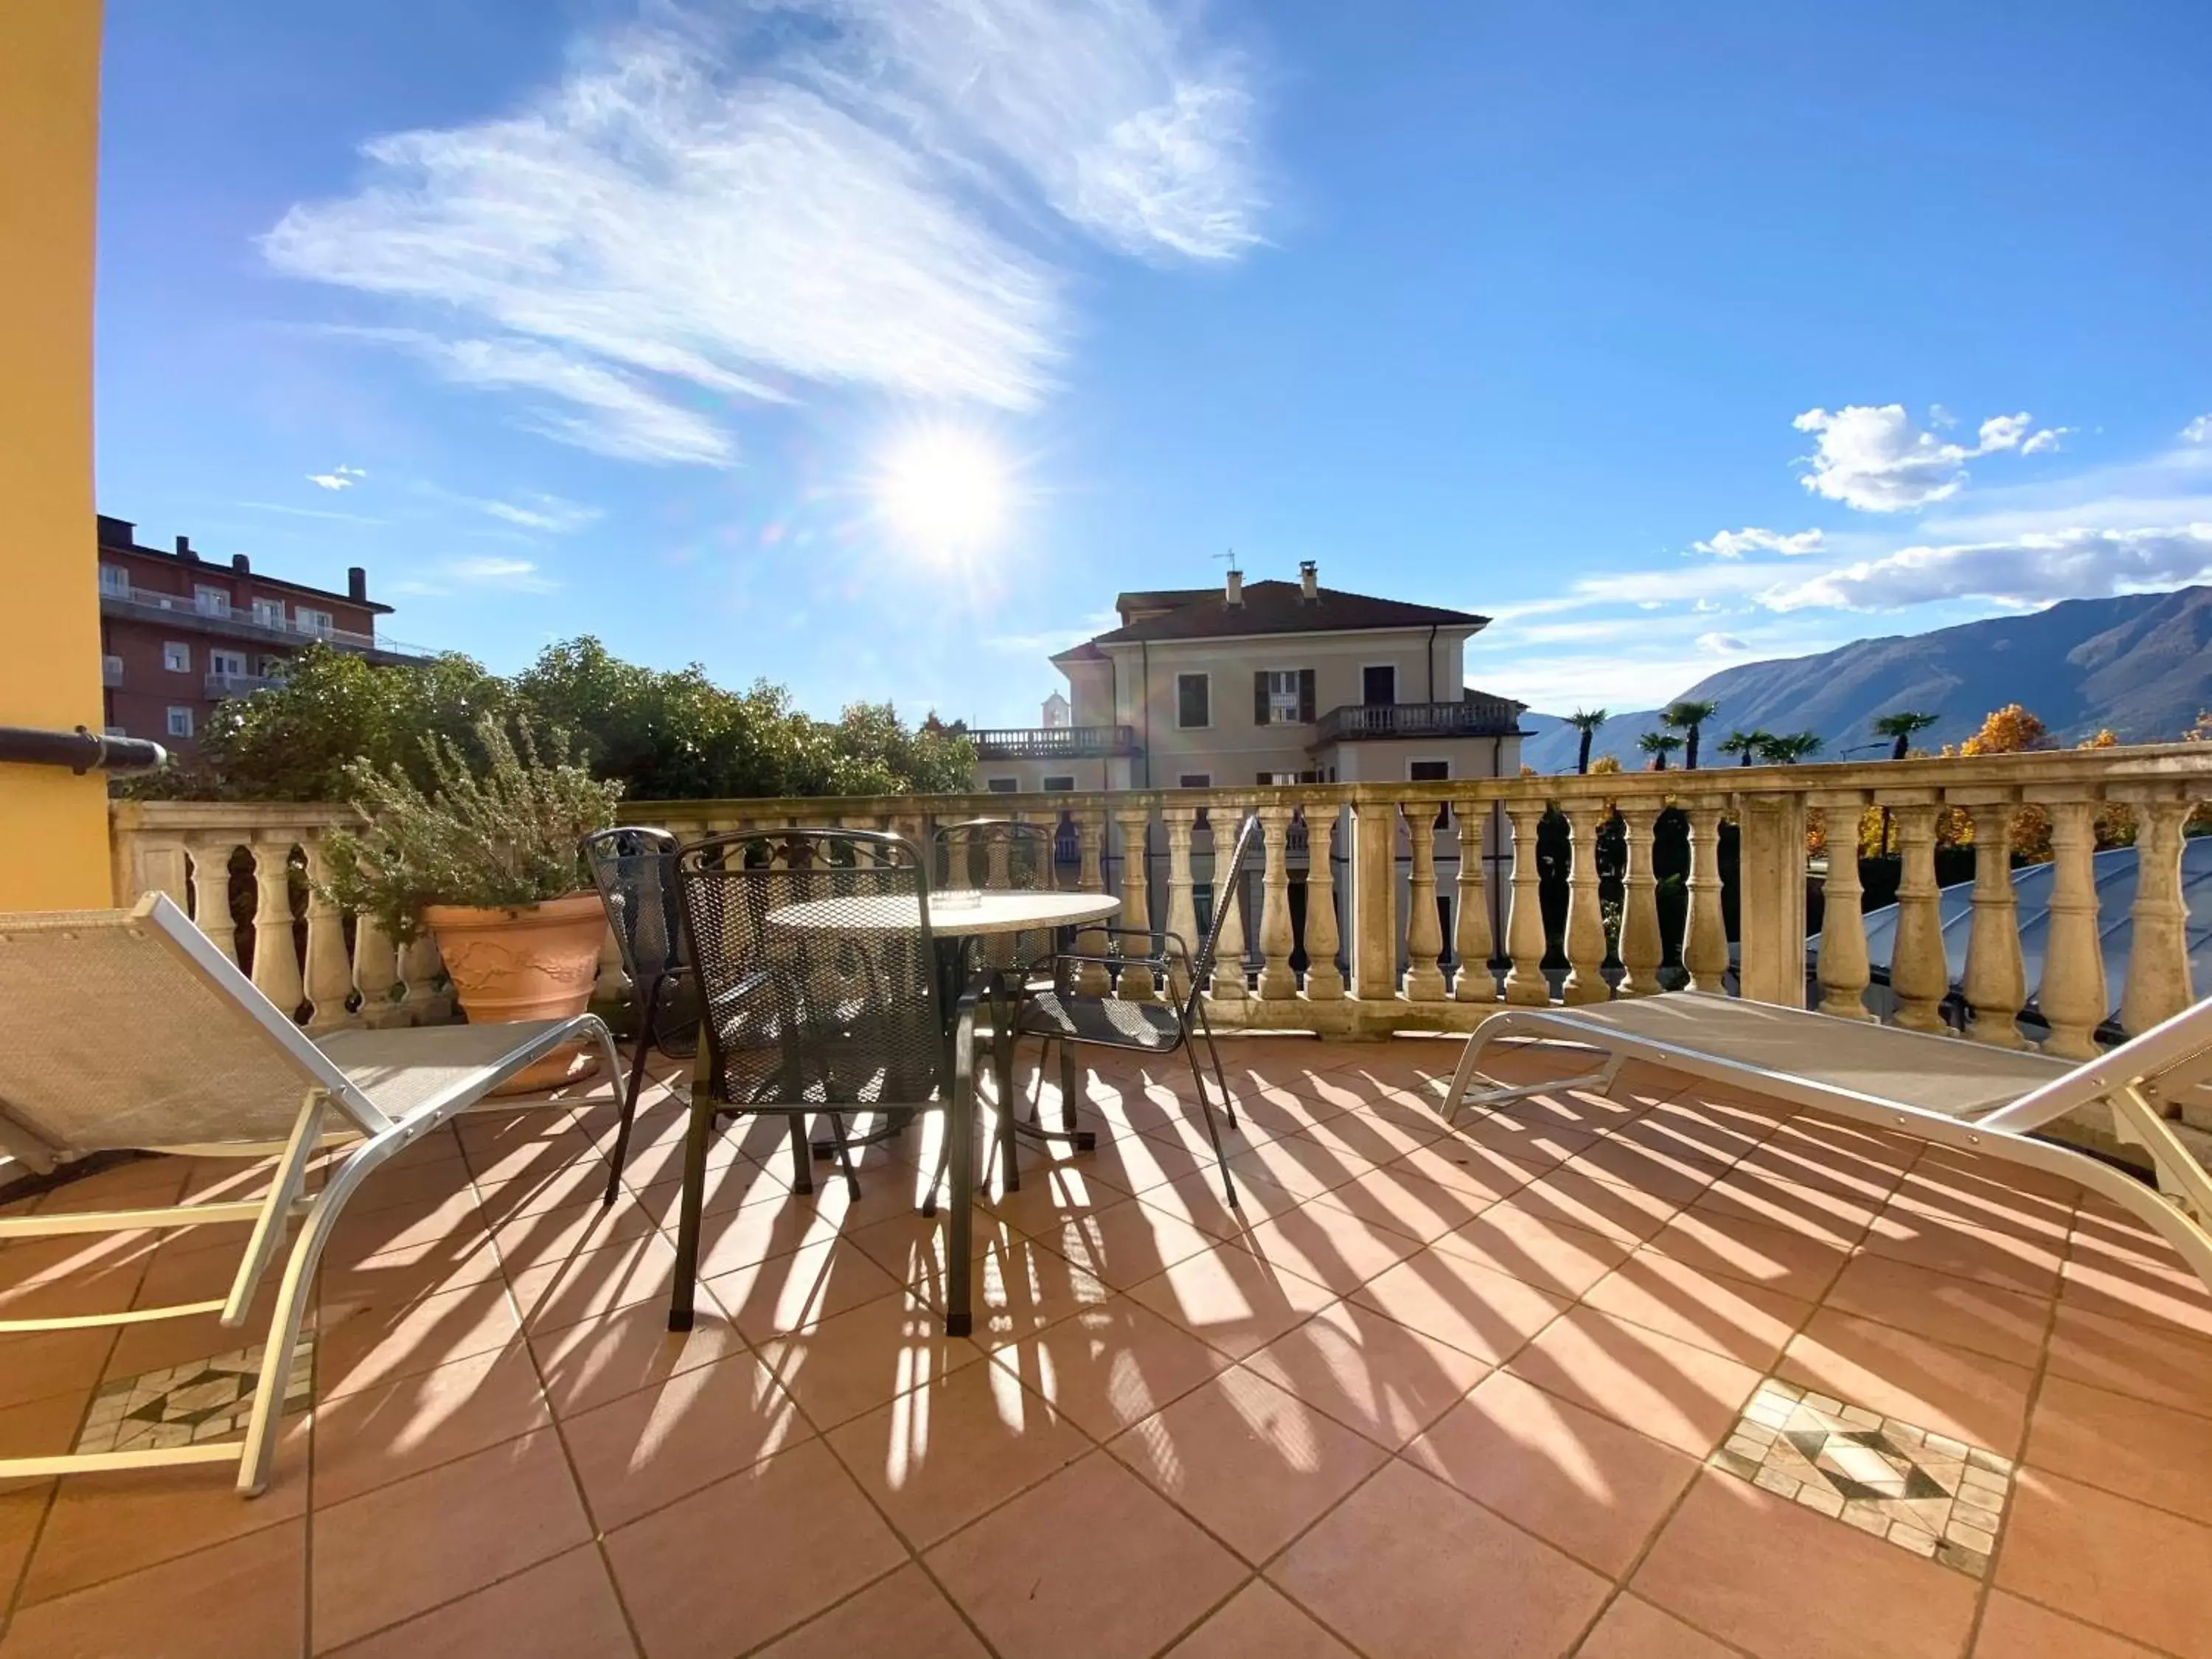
x=525, y=961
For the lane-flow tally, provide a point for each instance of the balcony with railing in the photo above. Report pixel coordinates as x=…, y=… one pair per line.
x=238, y=685
x=1054, y=742
x=1472, y=717
x=186, y=611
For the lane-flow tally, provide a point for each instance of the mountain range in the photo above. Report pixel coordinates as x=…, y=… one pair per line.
x=2141, y=664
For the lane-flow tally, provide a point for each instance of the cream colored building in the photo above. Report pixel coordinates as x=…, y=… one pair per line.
x=1260, y=683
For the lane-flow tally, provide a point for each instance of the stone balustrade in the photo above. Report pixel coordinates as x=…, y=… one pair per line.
x=1382, y=907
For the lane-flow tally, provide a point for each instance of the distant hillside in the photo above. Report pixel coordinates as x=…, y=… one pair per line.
x=2141, y=664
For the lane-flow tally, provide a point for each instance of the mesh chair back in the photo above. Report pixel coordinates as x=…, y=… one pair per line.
x=816, y=967
x=998, y=855
x=635, y=871
x=1227, y=883
x=124, y=1030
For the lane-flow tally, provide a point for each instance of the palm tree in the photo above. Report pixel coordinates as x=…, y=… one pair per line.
x=1685, y=715
x=1790, y=748
x=1586, y=721
x=1903, y=726
x=1659, y=745
x=1746, y=745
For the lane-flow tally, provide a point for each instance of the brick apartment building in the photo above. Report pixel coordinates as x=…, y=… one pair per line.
x=180, y=632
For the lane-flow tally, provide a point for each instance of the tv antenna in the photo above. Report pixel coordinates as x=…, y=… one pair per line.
x=1231, y=557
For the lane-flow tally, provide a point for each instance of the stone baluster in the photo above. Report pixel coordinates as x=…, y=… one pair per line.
x=610, y=984
x=997, y=873
x=1424, y=938
x=1642, y=949
x=1091, y=979
x=328, y=978
x=1705, y=930
x=1183, y=909
x=418, y=973
x=211, y=893
x=1324, y=979
x=1845, y=970
x=1585, y=940
x=1996, y=981
x=1374, y=901
x=275, y=961
x=158, y=866
x=1228, y=985
x=375, y=970
x=1524, y=923
x=1918, y=975
x=2072, y=998
x=1277, y=982
x=1136, y=897
x=1771, y=898
x=2158, y=983
x=1472, y=979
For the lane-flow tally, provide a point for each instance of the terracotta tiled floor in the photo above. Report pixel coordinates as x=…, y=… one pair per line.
x=1427, y=1392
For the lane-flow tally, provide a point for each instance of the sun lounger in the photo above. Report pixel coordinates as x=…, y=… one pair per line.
x=128, y=1030
x=1950, y=1091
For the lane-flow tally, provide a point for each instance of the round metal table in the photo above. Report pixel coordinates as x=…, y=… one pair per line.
x=950, y=918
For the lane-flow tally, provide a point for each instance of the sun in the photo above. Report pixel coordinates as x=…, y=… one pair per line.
x=944, y=491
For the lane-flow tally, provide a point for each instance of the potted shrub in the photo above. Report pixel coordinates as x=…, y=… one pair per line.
x=489, y=864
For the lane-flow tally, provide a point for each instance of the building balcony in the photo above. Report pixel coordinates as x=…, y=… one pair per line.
x=238, y=685
x=1557, y=1335
x=1362, y=722
x=182, y=613
x=1054, y=742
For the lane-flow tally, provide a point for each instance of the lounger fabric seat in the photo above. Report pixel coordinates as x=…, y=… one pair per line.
x=1951, y=1090
x=130, y=1030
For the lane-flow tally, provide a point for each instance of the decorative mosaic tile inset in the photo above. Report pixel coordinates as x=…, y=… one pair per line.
x=183, y=1405
x=1925, y=1492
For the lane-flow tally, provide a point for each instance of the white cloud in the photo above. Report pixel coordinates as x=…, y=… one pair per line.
x=338, y=477
x=2045, y=440
x=2199, y=431
x=1722, y=645
x=1873, y=458
x=515, y=575
x=1734, y=543
x=820, y=192
x=540, y=512
x=2031, y=570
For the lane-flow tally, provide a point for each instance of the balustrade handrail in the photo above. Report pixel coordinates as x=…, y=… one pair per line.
x=1479, y=717
x=1052, y=742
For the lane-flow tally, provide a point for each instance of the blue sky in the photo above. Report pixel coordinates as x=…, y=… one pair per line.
x=871, y=346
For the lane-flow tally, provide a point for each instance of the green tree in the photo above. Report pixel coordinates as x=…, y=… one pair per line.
x=1586, y=721
x=1902, y=727
x=1689, y=716
x=1791, y=747
x=1745, y=745
x=1659, y=745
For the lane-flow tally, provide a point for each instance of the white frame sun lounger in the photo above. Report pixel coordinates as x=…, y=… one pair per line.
x=129, y=1029
x=1953, y=1091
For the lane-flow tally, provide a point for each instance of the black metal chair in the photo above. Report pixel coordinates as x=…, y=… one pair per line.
x=635, y=869
x=1061, y=1015
x=824, y=992
x=1000, y=855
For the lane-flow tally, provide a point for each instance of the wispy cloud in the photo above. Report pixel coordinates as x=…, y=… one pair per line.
x=1874, y=459
x=1734, y=543
x=507, y=576
x=1722, y=645
x=540, y=512
x=290, y=511
x=817, y=193
x=338, y=477
x=2199, y=431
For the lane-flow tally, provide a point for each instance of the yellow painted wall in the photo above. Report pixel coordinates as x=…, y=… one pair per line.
x=53, y=826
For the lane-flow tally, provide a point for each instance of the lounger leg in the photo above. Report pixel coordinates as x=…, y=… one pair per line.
x=695, y=1199
x=649, y=1009
x=283, y=1341
x=268, y=1226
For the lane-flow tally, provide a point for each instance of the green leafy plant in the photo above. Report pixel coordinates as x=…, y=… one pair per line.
x=505, y=836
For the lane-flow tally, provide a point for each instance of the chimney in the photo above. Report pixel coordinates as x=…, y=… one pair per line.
x=1309, y=581
x=239, y=562
x=185, y=550
x=356, y=584
x=1235, y=594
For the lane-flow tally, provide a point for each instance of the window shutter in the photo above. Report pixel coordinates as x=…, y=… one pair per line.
x=1259, y=697
x=1306, y=695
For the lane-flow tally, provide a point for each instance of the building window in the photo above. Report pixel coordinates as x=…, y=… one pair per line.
x=212, y=601
x=181, y=721
x=1060, y=784
x=1378, y=683
x=1428, y=771
x=1282, y=696
x=1005, y=786
x=1195, y=781
x=227, y=662
x=1275, y=778
x=176, y=656
x=1194, y=700
x=268, y=613
x=274, y=668
x=114, y=579
x=313, y=622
